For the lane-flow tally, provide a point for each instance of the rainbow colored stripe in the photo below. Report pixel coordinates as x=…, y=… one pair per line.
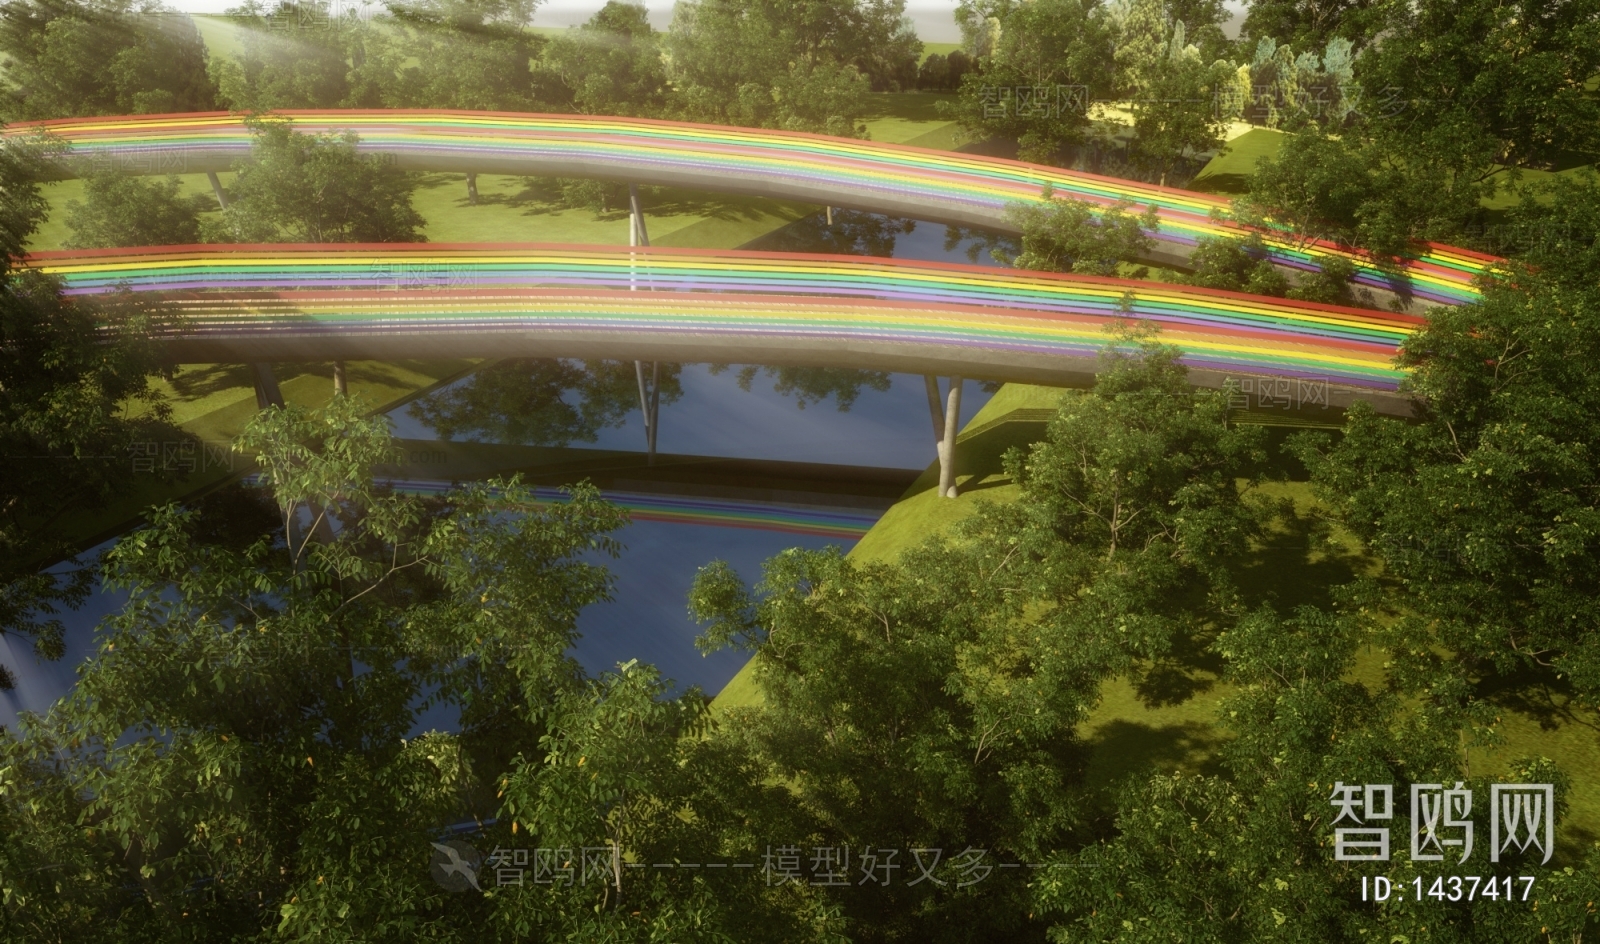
x=942, y=186
x=790, y=305
x=843, y=525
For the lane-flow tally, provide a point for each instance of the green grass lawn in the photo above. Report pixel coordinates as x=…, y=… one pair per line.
x=911, y=118
x=1230, y=171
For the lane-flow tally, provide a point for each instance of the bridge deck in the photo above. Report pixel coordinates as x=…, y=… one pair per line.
x=940, y=186
x=327, y=302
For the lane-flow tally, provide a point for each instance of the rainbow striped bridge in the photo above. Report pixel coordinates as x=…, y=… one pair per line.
x=939, y=186
x=333, y=302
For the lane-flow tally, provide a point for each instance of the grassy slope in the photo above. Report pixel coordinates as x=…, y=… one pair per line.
x=1165, y=719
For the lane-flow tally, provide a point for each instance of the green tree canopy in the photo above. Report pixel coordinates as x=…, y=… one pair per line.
x=64, y=58
x=295, y=54
x=1070, y=235
x=1484, y=509
x=612, y=63
x=315, y=189
x=801, y=66
x=240, y=749
x=1446, y=109
x=1063, y=47
x=120, y=210
x=75, y=399
x=474, y=54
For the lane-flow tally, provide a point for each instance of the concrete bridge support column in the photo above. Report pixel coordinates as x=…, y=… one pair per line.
x=935, y=406
x=216, y=188
x=267, y=392
x=649, y=405
x=649, y=394
x=946, y=423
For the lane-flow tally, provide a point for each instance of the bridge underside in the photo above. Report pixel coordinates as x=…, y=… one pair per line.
x=1311, y=394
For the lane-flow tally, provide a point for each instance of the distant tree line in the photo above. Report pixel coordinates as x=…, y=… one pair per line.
x=1404, y=123
x=798, y=64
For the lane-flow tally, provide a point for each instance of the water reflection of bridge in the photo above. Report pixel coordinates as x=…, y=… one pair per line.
x=756, y=481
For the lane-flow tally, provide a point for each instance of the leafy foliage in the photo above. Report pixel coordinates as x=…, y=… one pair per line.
x=119, y=210
x=65, y=58
x=798, y=66
x=315, y=189
x=612, y=63
x=1070, y=235
x=1249, y=851
x=524, y=401
x=295, y=54
x=1484, y=508
x=1048, y=44
x=75, y=397
x=475, y=54
x=241, y=747
x=1236, y=265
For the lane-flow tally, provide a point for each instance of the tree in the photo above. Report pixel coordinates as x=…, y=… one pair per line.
x=625, y=767
x=909, y=709
x=75, y=401
x=1434, y=135
x=1483, y=510
x=525, y=401
x=295, y=54
x=1069, y=235
x=933, y=700
x=1311, y=24
x=1238, y=265
x=941, y=73
x=240, y=749
x=612, y=63
x=121, y=210
x=802, y=67
x=815, y=384
x=473, y=54
x=315, y=189
x=1062, y=46
x=1174, y=92
x=1249, y=850
x=1131, y=514
x=65, y=58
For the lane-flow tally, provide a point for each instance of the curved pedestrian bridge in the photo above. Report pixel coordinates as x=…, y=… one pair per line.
x=333, y=302
x=939, y=186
